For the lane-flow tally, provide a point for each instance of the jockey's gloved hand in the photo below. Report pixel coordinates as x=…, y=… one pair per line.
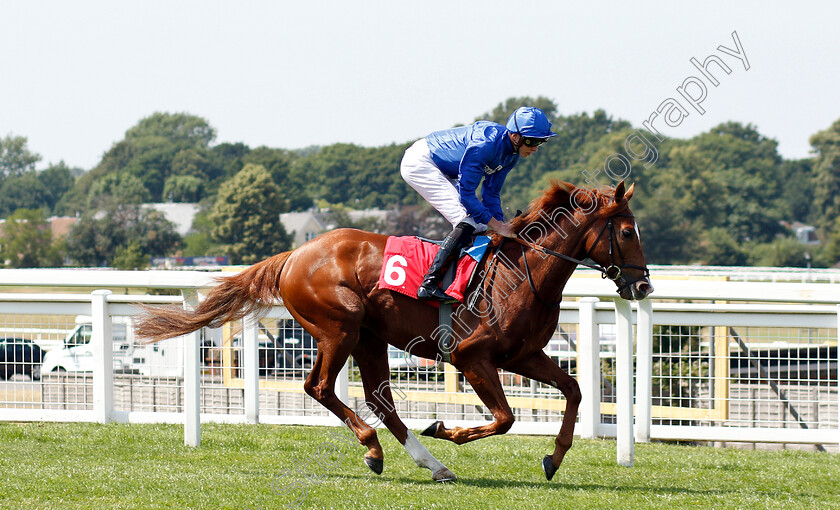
x=503, y=229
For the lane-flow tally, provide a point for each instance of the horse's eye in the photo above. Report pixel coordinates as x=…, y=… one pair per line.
x=627, y=233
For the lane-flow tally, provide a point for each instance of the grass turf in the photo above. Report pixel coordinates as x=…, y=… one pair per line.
x=92, y=466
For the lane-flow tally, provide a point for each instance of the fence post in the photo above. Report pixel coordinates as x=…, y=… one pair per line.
x=192, y=382
x=342, y=383
x=589, y=368
x=251, y=369
x=644, y=370
x=103, y=356
x=624, y=382
x=342, y=391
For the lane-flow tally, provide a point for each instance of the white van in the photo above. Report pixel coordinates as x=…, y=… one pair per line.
x=164, y=358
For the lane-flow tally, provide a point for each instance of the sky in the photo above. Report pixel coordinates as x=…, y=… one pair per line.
x=74, y=76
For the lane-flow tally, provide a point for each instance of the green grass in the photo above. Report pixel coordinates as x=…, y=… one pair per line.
x=76, y=465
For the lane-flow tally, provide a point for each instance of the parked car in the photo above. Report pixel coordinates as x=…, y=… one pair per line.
x=401, y=361
x=293, y=349
x=20, y=356
x=75, y=354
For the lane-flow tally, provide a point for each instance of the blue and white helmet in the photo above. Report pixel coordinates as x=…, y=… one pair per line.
x=530, y=122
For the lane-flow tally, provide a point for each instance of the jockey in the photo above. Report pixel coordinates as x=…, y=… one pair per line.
x=446, y=168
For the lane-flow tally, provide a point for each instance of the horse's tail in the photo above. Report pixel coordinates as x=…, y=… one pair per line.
x=253, y=290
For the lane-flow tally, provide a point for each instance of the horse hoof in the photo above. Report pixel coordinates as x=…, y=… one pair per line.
x=375, y=465
x=444, y=475
x=432, y=429
x=549, y=467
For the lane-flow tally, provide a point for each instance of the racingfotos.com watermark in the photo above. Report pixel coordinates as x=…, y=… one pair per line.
x=671, y=112
x=294, y=482
x=616, y=167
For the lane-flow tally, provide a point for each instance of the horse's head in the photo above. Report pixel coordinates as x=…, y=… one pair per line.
x=607, y=233
x=613, y=243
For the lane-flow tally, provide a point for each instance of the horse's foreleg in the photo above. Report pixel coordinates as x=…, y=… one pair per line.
x=543, y=369
x=372, y=359
x=485, y=381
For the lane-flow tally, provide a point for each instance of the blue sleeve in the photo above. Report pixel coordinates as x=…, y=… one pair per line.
x=490, y=194
x=470, y=175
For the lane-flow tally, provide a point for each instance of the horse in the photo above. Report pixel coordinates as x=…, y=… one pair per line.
x=330, y=286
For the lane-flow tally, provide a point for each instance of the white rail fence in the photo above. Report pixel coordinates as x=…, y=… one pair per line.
x=714, y=361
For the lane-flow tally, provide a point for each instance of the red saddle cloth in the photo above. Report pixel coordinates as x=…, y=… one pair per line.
x=407, y=259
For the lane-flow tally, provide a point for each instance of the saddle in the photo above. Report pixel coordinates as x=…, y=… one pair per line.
x=407, y=258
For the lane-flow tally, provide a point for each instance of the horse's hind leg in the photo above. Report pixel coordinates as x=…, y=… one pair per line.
x=333, y=350
x=541, y=368
x=372, y=359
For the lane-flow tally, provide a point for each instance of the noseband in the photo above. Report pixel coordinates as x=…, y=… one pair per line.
x=613, y=271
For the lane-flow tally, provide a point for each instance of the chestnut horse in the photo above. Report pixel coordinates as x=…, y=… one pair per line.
x=330, y=286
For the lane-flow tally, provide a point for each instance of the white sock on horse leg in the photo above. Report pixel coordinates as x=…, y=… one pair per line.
x=422, y=457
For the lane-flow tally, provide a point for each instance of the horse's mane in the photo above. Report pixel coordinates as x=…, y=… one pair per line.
x=559, y=195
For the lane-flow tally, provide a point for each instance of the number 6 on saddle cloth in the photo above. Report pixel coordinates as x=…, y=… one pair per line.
x=407, y=258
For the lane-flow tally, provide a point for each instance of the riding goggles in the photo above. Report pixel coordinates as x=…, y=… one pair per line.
x=533, y=142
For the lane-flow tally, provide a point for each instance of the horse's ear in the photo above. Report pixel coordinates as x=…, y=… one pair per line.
x=629, y=193
x=619, y=192
x=566, y=186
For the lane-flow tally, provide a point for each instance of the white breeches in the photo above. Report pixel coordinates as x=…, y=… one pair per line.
x=419, y=171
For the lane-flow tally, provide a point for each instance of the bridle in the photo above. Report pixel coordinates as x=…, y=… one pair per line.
x=613, y=271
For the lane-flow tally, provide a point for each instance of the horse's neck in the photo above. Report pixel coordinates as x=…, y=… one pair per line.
x=550, y=274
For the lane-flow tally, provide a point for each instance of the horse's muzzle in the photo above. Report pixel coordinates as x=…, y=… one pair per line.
x=637, y=290
x=642, y=288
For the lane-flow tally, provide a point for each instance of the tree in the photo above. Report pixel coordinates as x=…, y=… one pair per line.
x=727, y=185
x=35, y=190
x=27, y=241
x=229, y=158
x=130, y=257
x=15, y=158
x=181, y=129
x=199, y=241
x=96, y=239
x=90, y=243
x=57, y=180
x=501, y=113
x=781, y=252
x=332, y=169
x=116, y=189
x=826, y=181
x=183, y=188
x=338, y=216
x=357, y=177
x=831, y=250
x=719, y=248
x=75, y=201
x=246, y=217
x=155, y=234
x=19, y=188
x=22, y=191
x=668, y=236
x=796, y=178
x=292, y=185
x=746, y=165
x=160, y=145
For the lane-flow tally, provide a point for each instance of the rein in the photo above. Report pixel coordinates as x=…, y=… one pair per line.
x=613, y=271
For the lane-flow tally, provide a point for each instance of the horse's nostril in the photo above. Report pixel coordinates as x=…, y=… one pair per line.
x=644, y=288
